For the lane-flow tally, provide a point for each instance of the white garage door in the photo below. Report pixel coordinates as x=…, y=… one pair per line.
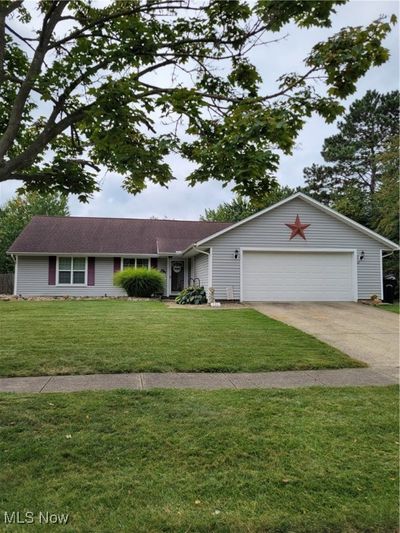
x=297, y=276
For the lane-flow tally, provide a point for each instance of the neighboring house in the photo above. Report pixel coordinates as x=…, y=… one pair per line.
x=295, y=250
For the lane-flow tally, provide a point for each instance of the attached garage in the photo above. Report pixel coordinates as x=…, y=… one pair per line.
x=290, y=276
x=295, y=250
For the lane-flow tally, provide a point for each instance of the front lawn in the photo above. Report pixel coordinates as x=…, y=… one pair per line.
x=81, y=337
x=310, y=460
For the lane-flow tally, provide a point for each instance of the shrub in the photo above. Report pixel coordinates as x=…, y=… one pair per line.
x=192, y=295
x=140, y=282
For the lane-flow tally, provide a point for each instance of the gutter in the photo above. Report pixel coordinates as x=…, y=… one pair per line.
x=93, y=254
x=195, y=247
x=389, y=254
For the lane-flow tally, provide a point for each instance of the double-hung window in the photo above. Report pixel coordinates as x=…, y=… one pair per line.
x=136, y=262
x=129, y=262
x=71, y=270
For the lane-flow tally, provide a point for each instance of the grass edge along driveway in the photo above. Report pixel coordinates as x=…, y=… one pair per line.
x=393, y=308
x=300, y=460
x=111, y=336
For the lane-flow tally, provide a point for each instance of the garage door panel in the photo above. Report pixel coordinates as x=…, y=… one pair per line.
x=297, y=276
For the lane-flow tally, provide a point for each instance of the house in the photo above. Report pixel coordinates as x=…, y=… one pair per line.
x=295, y=250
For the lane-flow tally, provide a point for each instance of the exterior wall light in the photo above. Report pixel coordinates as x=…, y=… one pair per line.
x=236, y=254
x=362, y=256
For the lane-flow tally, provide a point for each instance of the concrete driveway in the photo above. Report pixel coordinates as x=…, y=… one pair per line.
x=361, y=331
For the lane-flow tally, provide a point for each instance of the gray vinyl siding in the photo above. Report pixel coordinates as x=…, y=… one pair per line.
x=200, y=269
x=32, y=279
x=269, y=230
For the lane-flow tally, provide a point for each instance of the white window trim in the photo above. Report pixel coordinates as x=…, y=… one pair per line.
x=71, y=284
x=136, y=258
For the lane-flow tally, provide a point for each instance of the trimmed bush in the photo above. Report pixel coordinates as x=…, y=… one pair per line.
x=140, y=282
x=192, y=295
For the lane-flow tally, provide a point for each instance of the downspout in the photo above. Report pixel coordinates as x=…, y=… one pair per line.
x=208, y=254
x=14, y=258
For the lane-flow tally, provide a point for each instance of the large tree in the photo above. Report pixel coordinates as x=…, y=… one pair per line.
x=387, y=205
x=355, y=161
x=83, y=86
x=387, y=197
x=240, y=208
x=17, y=212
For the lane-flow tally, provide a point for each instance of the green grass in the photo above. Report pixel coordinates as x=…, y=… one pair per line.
x=393, y=308
x=269, y=461
x=81, y=337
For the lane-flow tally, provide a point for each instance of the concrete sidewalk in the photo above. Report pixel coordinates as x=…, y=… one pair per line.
x=207, y=381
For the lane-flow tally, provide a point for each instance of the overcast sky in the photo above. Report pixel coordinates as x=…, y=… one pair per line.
x=182, y=202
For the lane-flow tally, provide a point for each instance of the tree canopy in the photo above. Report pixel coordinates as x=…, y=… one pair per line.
x=17, y=213
x=358, y=158
x=387, y=197
x=124, y=85
x=353, y=153
x=240, y=207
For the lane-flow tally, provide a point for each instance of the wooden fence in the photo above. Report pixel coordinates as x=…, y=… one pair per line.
x=6, y=283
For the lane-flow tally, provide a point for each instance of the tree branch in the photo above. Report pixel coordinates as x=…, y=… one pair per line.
x=107, y=18
x=21, y=38
x=5, y=10
x=2, y=45
x=154, y=67
x=49, y=133
x=49, y=23
x=292, y=85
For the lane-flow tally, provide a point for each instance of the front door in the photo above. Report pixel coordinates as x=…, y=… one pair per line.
x=177, y=276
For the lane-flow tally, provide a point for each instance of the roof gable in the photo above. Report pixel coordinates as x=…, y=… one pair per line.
x=355, y=225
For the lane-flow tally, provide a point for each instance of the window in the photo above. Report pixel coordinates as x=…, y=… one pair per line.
x=136, y=262
x=129, y=262
x=72, y=270
x=142, y=263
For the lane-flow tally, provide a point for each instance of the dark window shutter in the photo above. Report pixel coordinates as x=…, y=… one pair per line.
x=91, y=271
x=117, y=264
x=153, y=262
x=52, y=269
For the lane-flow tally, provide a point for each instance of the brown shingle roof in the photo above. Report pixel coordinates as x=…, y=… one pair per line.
x=110, y=235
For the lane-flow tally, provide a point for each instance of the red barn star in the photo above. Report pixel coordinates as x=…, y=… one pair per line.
x=297, y=228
